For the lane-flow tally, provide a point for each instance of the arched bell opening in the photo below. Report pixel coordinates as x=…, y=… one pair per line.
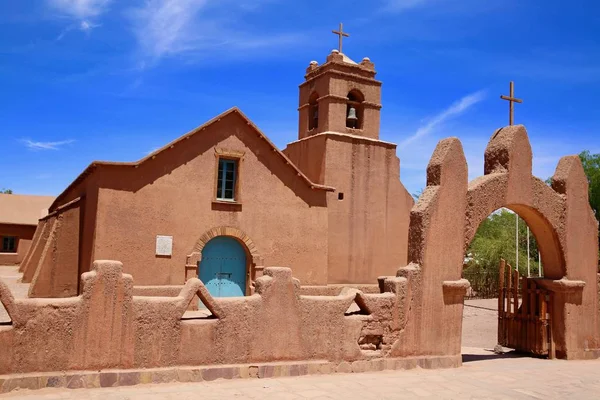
x=355, y=109
x=313, y=111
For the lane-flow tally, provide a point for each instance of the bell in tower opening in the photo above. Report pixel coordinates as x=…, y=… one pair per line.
x=354, y=110
x=351, y=119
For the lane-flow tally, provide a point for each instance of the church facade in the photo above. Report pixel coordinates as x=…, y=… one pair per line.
x=222, y=202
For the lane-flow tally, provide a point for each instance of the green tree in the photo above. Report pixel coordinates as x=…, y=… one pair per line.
x=495, y=239
x=591, y=166
x=6, y=191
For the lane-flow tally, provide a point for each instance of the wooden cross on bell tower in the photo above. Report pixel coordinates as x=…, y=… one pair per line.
x=341, y=34
x=512, y=99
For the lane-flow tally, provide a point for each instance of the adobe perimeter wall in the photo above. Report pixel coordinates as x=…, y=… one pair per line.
x=107, y=327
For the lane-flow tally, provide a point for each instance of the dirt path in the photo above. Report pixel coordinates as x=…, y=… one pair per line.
x=11, y=275
x=485, y=378
x=480, y=323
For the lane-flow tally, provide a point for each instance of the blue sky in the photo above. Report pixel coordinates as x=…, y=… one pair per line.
x=85, y=80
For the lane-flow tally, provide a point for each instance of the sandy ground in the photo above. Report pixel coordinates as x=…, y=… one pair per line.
x=480, y=321
x=10, y=275
x=506, y=377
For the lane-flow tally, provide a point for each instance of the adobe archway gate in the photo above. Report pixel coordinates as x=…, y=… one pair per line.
x=447, y=215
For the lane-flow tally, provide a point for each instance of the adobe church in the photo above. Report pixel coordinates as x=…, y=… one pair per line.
x=222, y=202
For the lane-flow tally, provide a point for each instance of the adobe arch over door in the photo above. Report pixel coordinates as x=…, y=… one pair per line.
x=447, y=215
x=543, y=230
x=508, y=182
x=255, y=261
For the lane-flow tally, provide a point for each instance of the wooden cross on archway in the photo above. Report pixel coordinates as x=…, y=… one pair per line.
x=512, y=99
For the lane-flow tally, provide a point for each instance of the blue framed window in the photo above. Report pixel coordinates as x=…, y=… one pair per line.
x=226, y=179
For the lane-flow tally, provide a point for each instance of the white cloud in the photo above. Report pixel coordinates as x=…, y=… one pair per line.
x=172, y=27
x=80, y=9
x=87, y=26
x=46, y=145
x=455, y=109
x=82, y=12
x=165, y=27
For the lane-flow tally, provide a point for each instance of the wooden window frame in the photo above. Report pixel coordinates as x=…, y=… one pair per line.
x=237, y=157
x=227, y=179
x=16, y=244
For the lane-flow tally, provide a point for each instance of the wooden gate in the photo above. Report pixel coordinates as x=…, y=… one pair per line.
x=524, y=313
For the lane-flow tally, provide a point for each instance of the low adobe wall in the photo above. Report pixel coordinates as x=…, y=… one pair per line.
x=9, y=258
x=307, y=290
x=158, y=290
x=335, y=290
x=107, y=327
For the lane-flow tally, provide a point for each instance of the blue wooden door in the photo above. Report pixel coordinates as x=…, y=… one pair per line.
x=223, y=267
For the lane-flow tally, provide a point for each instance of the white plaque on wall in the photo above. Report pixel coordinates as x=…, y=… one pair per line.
x=164, y=245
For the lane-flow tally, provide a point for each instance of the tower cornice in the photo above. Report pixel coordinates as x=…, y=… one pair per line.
x=340, y=74
x=342, y=99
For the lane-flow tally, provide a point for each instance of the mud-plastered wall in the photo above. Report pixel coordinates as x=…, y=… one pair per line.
x=450, y=210
x=53, y=266
x=107, y=327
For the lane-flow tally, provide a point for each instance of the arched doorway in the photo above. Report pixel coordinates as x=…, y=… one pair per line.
x=447, y=216
x=223, y=267
x=504, y=302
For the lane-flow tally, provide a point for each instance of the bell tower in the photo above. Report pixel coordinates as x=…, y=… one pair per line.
x=368, y=208
x=340, y=96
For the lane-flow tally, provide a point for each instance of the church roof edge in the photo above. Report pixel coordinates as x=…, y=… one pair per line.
x=94, y=164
